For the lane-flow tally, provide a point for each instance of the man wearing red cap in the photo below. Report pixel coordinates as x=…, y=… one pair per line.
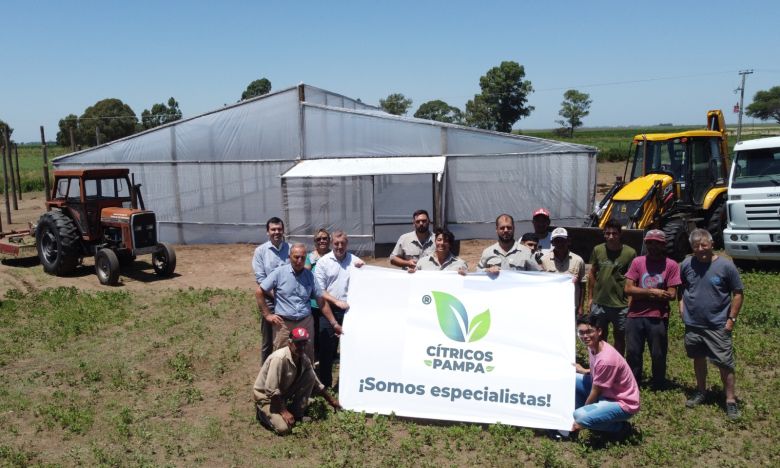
x=285, y=383
x=541, y=222
x=652, y=282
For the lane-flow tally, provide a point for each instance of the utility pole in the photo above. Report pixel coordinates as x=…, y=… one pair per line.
x=741, y=90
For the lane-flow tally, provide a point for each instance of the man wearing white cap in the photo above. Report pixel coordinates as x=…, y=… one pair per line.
x=561, y=260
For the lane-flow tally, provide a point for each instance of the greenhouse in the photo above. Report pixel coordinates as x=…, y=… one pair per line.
x=319, y=159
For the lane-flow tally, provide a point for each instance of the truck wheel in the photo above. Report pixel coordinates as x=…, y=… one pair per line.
x=164, y=260
x=677, y=245
x=716, y=223
x=57, y=241
x=107, y=267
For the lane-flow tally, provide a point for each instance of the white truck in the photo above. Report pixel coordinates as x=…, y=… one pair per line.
x=753, y=208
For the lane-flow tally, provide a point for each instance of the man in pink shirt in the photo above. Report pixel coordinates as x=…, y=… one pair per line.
x=651, y=282
x=607, y=394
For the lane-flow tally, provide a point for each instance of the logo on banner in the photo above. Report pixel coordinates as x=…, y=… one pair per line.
x=455, y=324
x=454, y=320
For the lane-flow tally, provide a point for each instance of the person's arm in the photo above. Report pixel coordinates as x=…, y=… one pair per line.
x=257, y=266
x=325, y=308
x=595, y=393
x=736, y=305
x=328, y=297
x=396, y=257
x=272, y=383
x=581, y=370
x=332, y=401
x=591, y=283
x=637, y=292
x=260, y=296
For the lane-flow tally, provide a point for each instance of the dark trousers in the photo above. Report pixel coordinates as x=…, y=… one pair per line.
x=267, y=333
x=327, y=343
x=654, y=332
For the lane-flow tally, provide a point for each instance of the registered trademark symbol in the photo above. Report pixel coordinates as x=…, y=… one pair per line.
x=426, y=299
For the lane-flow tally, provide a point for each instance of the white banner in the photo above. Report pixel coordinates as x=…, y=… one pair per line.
x=439, y=345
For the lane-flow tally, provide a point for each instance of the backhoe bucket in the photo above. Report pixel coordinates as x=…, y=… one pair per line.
x=583, y=239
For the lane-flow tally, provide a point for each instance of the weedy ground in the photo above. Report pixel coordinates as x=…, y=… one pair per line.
x=140, y=379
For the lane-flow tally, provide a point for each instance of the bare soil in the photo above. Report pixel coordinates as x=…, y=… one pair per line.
x=198, y=266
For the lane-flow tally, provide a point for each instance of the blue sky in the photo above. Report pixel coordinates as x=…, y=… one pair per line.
x=641, y=62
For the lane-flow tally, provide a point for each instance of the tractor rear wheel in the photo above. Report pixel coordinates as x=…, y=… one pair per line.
x=57, y=241
x=677, y=245
x=164, y=260
x=716, y=223
x=107, y=267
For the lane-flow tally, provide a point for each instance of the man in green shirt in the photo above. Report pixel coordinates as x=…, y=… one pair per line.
x=607, y=301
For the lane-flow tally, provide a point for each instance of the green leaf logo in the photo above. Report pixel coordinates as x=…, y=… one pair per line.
x=428, y=362
x=454, y=321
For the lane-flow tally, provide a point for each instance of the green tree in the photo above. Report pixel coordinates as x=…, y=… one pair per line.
x=65, y=124
x=766, y=105
x=396, y=104
x=113, y=118
x=504, y=98
x=3, y=126
x=574, y=107
x=256, y=88
x=440, y=111
x=160, y=114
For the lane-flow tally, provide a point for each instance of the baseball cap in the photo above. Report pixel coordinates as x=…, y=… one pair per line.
x=655, y=235
x=541, y=211
x=299, y=334
x=559, y=232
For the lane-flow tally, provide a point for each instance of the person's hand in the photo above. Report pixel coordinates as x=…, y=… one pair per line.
x=287, y=416
x=359, y=264
x=729, y=326
x=412, y=263
x=462, y=271
x=411, y=269
x=580, y=369
x=589, y=305
x=338, y=330
x=341, y=305
x=493, y=270
x=274, y=319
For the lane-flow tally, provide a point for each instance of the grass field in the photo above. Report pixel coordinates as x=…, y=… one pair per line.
x=31, y=166
x=139, y=379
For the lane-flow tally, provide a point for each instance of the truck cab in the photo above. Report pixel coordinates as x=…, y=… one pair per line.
x=753, y=207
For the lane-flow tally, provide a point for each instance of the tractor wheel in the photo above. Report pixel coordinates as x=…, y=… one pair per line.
x=716, y=223
x=107, y=267
x=57, y=241
x=164, y=260
x=677, y=245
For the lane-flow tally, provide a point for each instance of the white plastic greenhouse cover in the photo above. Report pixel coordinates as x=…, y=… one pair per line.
x=321, y=158
x=348, y=167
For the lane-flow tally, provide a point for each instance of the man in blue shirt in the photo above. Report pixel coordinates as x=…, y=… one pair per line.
x=292, y=286
x=267, y=258
x=711, y=299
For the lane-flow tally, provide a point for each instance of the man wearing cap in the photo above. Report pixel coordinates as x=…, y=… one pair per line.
x=541, y=222
x=607, y=301
x=652, y=282
x=285, y=383
x=273, y=253
x=293, y=286
x=413, y=245
x=506, y=254
x=332, y=277
x=561, y=260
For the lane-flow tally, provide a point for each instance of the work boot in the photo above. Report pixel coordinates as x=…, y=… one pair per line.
x=695, y=400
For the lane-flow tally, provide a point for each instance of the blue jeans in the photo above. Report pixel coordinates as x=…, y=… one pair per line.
x=604, y=415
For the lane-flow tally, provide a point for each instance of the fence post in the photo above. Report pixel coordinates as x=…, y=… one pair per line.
x=11, y=167
x=18, y=175
x=72, y=140
x=45, y=151
x=5, y=181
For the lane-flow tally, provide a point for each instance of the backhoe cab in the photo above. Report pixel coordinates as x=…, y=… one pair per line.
x=98, y=212
x=677, y=182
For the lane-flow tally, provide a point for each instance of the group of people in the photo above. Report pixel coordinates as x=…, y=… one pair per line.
x=303, y=300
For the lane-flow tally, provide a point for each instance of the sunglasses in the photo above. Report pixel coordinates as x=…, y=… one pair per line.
x=320, y=239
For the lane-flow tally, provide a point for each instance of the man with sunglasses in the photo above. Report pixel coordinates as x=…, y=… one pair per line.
x=652, y=282
x=413, y=245
x=285, y=383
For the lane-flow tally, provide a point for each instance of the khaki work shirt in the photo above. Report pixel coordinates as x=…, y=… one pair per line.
x=408, y=246
x=519, y=258
x=279, y=374
x=451, y=263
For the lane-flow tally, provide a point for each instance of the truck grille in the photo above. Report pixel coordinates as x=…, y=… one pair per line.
x=144, y=226
x=763, y=215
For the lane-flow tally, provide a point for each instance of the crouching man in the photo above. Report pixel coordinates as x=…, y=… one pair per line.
x=285, y=383
x=607, y=394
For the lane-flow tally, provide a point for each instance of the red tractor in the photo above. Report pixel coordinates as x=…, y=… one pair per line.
x=100, y=213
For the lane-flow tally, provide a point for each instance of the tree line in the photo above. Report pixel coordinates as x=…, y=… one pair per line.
x=502, y=102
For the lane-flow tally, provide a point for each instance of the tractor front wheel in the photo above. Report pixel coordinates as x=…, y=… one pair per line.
x=164, y=260
x=716, y=223
x=107, y=267
x=677, y=245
